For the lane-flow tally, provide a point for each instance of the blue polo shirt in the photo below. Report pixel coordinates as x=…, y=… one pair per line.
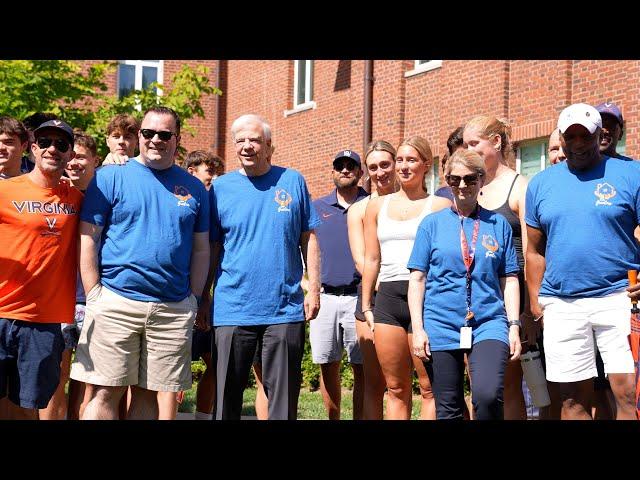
x=444, y=192
x=337, y=263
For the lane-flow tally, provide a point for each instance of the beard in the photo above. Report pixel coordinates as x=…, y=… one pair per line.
x=345, y=182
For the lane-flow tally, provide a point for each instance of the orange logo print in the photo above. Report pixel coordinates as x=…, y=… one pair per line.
x=182, y=194
x=490, y=244
x=283, y=199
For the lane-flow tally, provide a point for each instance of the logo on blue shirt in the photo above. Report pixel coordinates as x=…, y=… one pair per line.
x=283, y=199
x=604, y=192
x=183, y=195
x=491, y=244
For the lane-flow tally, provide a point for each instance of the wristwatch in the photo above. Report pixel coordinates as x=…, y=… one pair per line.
x=514, y=322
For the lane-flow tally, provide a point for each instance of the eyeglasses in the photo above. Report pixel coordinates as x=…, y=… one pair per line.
x=469, y=180
x=59, y=143
x=349, y=165
x=163, y=135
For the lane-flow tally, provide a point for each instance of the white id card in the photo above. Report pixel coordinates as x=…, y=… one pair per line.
x=465, y=337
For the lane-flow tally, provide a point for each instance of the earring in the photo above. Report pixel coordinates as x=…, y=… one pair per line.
x=499, y=147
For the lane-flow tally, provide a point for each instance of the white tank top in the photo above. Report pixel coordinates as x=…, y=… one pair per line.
x=396, y=239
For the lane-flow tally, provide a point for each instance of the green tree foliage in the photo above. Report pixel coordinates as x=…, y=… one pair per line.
x=57, y=86
x=79, y=96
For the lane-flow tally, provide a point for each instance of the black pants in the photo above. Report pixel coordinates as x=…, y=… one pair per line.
x=487, y=362
x=282, y=349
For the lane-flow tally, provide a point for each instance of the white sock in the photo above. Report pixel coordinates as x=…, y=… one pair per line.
x=203, y=416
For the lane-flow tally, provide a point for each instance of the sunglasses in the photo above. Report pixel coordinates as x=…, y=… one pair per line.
x=163, y=135
x=469, y=180
x=339, y=166
x=60, y=144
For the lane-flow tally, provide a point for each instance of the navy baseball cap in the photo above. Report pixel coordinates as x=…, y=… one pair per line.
x=56, y=125
x=611, y=109
x=350, y=154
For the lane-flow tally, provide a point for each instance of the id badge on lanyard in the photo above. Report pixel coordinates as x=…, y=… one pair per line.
x=468, y=255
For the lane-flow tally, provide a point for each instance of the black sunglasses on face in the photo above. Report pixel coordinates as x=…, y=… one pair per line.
x=59, y=143
x=163, y=135
x=339, y=166
x=469, y=180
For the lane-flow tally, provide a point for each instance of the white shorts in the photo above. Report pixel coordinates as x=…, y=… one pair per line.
x=574, y=327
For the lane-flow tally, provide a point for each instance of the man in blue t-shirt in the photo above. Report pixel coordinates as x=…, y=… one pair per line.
x=581, y=215
x=143, y=261
x=262, y=223
x=335, y=327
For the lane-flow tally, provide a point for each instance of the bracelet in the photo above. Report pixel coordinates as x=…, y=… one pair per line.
x=517, y=323
x=367, y=310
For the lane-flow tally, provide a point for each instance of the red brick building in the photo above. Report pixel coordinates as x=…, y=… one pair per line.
x=317, y=108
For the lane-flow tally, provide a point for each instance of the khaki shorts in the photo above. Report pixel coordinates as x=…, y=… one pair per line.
x=128, y=342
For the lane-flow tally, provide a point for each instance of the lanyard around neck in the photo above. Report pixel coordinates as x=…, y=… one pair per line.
x=468, y=254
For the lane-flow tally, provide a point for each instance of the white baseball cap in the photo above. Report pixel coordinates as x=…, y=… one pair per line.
x=579, y=114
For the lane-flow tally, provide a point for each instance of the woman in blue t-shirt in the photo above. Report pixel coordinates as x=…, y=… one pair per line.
x=467, y=257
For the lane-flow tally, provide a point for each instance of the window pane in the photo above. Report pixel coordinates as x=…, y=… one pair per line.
x=126, y=79
x=149, y=75
x=302, y=75
x=530, y=158
x=309, y=91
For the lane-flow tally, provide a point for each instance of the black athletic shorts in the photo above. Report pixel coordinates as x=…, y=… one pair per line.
x=391, y=304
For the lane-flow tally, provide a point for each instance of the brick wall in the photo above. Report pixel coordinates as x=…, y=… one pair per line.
x=305, y=140
x=529, y=93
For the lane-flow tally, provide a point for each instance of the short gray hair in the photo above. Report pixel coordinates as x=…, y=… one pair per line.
x=251, y=118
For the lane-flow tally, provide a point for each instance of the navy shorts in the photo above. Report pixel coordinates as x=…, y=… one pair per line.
x=200, y=343
x=30, y=355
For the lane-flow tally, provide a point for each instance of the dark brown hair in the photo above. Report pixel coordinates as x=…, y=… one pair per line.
x=11, y=126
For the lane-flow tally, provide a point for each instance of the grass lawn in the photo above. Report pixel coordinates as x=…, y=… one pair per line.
x=310, y=406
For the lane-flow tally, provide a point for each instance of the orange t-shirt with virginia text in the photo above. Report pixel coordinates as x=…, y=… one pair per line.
x=38, y=250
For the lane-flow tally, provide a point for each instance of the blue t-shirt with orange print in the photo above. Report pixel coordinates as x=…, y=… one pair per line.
x=437, y=251
x=259, y=220
x=588, y=218
x=149, y=218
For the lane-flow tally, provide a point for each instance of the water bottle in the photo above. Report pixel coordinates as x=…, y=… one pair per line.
x=534, y=376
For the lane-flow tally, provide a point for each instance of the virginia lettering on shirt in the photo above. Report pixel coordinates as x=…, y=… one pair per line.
x=33, y=206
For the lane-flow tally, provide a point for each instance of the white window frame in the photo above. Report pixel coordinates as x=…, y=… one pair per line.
x=308, y=104
x=420, y=66
x=543, y=156
x=139, y=64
